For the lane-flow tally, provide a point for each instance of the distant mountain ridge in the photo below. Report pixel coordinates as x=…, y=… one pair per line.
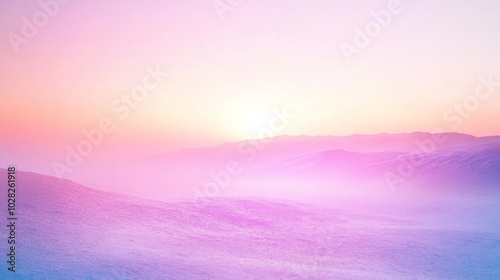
x=358, y=161
x=468, y=163
x=473, y=169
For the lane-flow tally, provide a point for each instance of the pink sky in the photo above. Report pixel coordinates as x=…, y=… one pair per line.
x=227, y=76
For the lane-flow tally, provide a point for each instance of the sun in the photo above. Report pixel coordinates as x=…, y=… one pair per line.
x=254, y=119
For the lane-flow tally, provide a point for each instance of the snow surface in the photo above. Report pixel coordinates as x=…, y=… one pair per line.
x=69, y=231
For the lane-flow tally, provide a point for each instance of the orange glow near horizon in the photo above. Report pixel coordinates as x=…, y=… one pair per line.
x=228, y=77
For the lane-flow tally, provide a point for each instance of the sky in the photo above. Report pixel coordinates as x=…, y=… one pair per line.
x=231, y=68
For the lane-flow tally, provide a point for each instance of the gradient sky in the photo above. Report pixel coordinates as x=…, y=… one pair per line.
x=227, y=76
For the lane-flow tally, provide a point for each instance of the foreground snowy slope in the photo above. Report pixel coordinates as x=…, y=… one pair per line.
x=68, y=231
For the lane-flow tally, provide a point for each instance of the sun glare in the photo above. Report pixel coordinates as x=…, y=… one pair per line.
x=253, y=120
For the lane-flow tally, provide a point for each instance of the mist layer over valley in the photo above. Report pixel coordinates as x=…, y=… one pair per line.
x=302, y=208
